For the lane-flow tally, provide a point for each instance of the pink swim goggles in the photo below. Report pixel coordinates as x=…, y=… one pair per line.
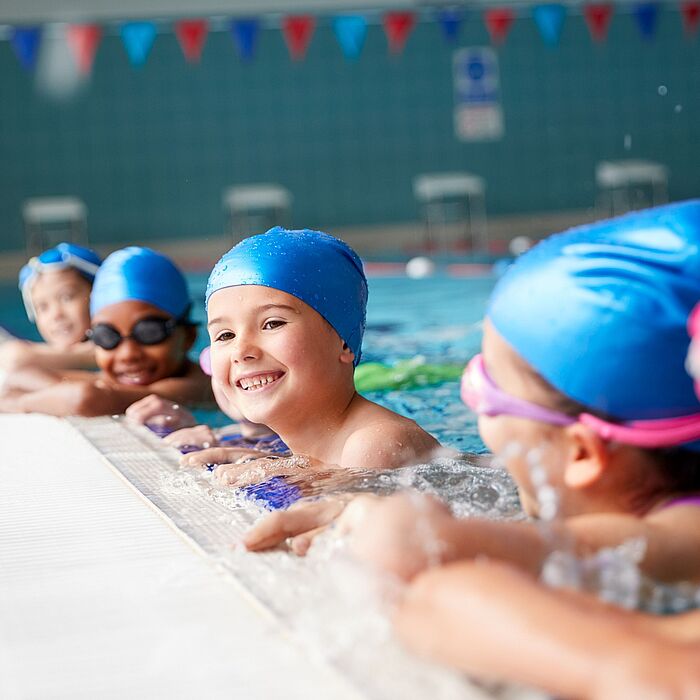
x=484, y=397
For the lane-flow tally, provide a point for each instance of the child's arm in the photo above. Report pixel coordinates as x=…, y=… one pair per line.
x=497, y=623
x=392, y=536
x=18, y=354
x=92, y=396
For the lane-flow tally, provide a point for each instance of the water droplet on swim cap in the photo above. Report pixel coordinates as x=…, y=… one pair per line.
x=319, y=269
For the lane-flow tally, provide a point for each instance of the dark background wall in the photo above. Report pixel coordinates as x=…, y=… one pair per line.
x=150, y=150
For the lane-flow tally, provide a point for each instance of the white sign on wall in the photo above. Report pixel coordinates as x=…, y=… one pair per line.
x=478, y=114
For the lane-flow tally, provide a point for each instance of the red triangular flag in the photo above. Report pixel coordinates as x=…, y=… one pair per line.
x=498, y=21
x=397, y=26
x=192, y=34
x=83, y=40
x=298, y=30
x=598, y=16
x=690, y=11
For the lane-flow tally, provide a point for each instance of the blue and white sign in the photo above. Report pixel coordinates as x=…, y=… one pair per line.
x=478, y=114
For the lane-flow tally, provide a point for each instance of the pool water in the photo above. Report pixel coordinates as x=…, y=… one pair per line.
x=436, y=318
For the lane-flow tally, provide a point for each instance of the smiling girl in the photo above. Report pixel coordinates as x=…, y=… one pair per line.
x=141, y=332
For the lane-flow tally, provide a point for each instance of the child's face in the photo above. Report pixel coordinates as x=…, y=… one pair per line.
x=61, y=300
x=519, y=441
x=273, y=356
x=131, y=362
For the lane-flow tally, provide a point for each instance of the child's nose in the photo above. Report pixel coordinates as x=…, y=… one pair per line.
x=128, y=348
x=245, y=348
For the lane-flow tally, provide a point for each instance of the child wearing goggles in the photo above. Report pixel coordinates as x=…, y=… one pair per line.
x=141, y=333
x=55, y=288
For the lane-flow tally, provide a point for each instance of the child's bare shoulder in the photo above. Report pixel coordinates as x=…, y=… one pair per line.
x=386, y=439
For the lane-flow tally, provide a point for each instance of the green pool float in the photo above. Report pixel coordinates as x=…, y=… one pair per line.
x=405, y=374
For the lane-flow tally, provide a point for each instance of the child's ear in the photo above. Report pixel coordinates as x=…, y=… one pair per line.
x=587, y=459
x=347, y=356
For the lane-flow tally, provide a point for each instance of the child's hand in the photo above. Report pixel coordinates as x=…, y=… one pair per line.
x=247, y=470
x=399, y=535
x=296, y=526
x=154, y=410
x=224, y=456
x=200, y=436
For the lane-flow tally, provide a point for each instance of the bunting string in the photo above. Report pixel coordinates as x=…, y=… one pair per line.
x=138, y=37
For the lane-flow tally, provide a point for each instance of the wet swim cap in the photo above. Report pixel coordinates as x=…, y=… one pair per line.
x=322, y=271
x=600, y=311
x=140, y=274
x=63, y=257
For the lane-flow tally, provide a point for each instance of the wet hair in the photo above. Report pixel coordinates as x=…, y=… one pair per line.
x=677, y=470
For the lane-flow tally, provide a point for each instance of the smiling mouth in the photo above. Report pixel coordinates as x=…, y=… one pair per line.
x=135, y=377
x=259, y=381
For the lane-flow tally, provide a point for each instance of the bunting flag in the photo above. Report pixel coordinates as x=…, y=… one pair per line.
x=350, y=30
x=138, y=38
x=498, y=22
x=450, y=19
x=550, y=21
x=25, y=42
x=397, y=26
x=646, y=14
x=84, y=40
x=192, y=34
x=690, y=11
x=598, y=16
x=298, y=30
x=245, y=36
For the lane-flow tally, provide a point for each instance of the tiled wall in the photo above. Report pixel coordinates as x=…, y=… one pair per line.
x=150, y=150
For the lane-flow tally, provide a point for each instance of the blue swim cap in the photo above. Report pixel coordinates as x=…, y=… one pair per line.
x=600, y=311
x=63, y=257
x=322, y=271
x=140, y=274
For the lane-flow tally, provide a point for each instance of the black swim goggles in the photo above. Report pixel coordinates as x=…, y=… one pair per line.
x=147, y=331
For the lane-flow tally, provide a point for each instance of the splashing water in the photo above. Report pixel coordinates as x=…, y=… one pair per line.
x=613, y=574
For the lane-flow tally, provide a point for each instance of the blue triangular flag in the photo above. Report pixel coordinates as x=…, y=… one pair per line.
x=138, y=38
x=646, y=14
x=450, y=19
x=350, y=30
x=550, y=20
x=245, y=35
x=25, y=42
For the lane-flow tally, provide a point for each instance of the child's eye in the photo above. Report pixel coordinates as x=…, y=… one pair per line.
x=67, y=297
x=224, y=336
x=273, y=323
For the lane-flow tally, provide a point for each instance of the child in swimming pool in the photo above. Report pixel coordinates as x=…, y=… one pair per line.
x=286, y=317
x=140, y=326
x=566, y=642
x=581, y=388
x=55, y=289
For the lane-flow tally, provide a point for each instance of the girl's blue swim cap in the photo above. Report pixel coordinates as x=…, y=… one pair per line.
x=600, y=311
x=322, y=271
x=140, y=274
x=64, y=256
